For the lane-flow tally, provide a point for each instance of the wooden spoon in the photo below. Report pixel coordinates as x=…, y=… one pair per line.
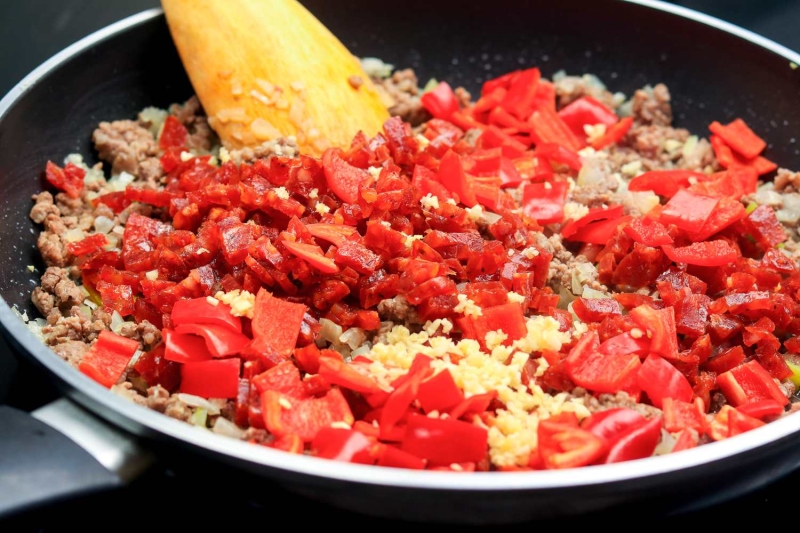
x=268, y=68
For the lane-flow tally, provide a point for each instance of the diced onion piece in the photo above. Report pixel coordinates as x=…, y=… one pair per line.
x=103, y=224
x=74, y=235
x=589, y=292
x=330, y=331
x=196, y=401
x=199, y=417
x=116, y=322
x=223, y=426
x=353, y=337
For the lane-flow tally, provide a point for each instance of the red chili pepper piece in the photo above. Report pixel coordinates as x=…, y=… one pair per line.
x=544, y=202
x=749, y=383
x=68, y=179
x=343, y=179
x=173, y=134
x=218, y=378
x=108, y=357
x=660, y=379
x=707, y=254
x=441, y=102
x=202, y=311
x=444, y=441
x=740, y=137
x=566, y=446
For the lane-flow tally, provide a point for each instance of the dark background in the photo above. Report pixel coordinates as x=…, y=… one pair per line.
x=185, y=491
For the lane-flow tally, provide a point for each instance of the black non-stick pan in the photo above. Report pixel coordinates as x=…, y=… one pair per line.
x=715, y=72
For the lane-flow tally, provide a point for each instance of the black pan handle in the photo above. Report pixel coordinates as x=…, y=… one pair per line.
x=61, y=451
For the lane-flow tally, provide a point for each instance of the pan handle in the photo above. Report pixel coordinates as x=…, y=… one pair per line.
x=58, y=451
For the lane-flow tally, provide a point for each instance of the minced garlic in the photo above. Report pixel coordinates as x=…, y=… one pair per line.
x=516, y=298
x=242, y=303
x=429, y=201
x=574, y=211
x=282, y=193
x=467, y=306
x=322, y=208
x=474, y=212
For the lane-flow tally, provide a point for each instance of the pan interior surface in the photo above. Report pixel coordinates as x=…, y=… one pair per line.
x=712, y=75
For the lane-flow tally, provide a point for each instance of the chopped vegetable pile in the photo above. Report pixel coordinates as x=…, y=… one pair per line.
x=446, y=296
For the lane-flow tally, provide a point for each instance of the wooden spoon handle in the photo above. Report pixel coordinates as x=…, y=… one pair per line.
x=268, y=68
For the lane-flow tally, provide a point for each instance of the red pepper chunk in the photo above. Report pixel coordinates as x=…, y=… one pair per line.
x=155, y=369
x=441, y=102
x=660, y=327
x=520, y=99
x=610, y=424
x=312, y=255
x=730, y=160
x=680, y=415
x=562, y=445
x=507, y=318
x=613, y=134
x=625, y=343
x=218, y=378
x=393, y=457
x=664, y=182
x=558, y=154
x=220, y=341
x=202, y=311
x=762, y=409
x=550, y=128
x=660, y=379
x=343, y=178
x=337, y=372
x=68, y=179
x=185, y=348
x=749, y=383
x=89, y=245
x=647, y=231
x=638, y=442
x=173, y=134
x=726, y=213
x=452, y=176
x=108, y=358
x=342, y=444
x=740, y=137
x=304, y=417
x=277, y=323
x=439, y=393
x=444, y=441
x=544, y=202
x=283, y=378
x=474, y=405
x=595, y=309
x=594, y=215
x=333, y=233
x=706, y=254
x=586, y=111
x=599, y=232
x=686, y=441
x=596, y=371
x=764, y=226
x=688, y=211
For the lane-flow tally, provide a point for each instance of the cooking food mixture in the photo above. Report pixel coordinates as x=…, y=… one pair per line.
x=547, y=275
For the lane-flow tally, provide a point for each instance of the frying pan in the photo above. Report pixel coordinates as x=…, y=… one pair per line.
x=715, y=71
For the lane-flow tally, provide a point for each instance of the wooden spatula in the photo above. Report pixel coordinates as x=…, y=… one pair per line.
x=266, y=68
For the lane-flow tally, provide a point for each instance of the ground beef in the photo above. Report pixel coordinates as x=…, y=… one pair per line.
x=44, y=206
x=563, y=264
x=398, y=310
x=72, y=351
x=176, y=408
x=124, y=144
x=56, y=292
x=604, y=402
x=285, y=146
x=651, y=105
x=787, y=181
x=127, y=391
x=717, y=401
x=258, y=436
x=648, y=141
x=157, y=398
x=570, y=88
x=463, y=96
x=61, y=328
x=151, y=172
x=143, y=332
x=191, y=115
x=403, y=89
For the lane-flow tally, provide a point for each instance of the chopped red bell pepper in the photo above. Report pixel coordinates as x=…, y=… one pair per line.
x=660, y=327
x=398, y=402
x=725, y=360
x=610, y=424
x=332, y=233
x=89, y=245
x=613, y=134
x=688, y=211
x=218, y=378
x=343, y=178
x=599, y=372
x=544, y=202
x=706, y=254
x=304, y=417
x=686, y=440
x=586, y=111
x=749, y=383
x=550, y=128
x=444, y=441
x=342, y=444
x=660, y=380
x=185, y=348
x=221, y=341
x=439, y=393
x=637, y=442
x=595, y=309
x=762, y=409
x=283, y=378
x=520, y=100
x=764, y=227
x=729, y=422
x=507, y=318
x=740, y=137
x=474, y=405
x=68, y=179
x=562, y=445
x=312, y=255
x=155, y=369
x=730, y=160
x=203, y=311
x=108, y=358
x=173, y=134
x=337, y=372
x=452, y=176
x=559, y=154
x=441, y=102
x=277, y=322
x=664, y=182
x=394, y=457
x=680, y=415
x=493, y=137
x=626, y=343
x=647, y=231
x=599, y=232
x=594, y=215
x=726, y=213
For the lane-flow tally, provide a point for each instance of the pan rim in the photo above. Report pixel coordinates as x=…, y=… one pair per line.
x=91, y=395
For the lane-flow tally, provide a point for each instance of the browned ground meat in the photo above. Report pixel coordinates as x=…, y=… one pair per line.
x=285, y=146
x=403, y=88
x=56, y=292
x=398, y=310
x=124, y=144
x=570, y=88
x=72, y=351
x=143, y=332
x=604, y=402
x=652, y=106
x=563, y=264
x=44, y=206
x=191, y=115
x=787, y=181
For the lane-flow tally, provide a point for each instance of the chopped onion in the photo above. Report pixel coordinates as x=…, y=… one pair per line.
x=364, y=349
x=74, y=235
x=790, y=213
x=376, y=68
x=591, y=173
x=589, y=292
x=583, y=273
x=196, y=401
x=666, y=445
x=330, y=331
x=87, y=311
x=223, y=426
x=85, y=291
x=490, y=218
x=103, y=224
x=199, y=417
x=90, y=304
x=116, y=322
x=35, y=326
x=689, y=146
x=353, y=337
x=119, y=182
x=75, y=159
x=136, y=355
x=153, y=117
